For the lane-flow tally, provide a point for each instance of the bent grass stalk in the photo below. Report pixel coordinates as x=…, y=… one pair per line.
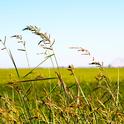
x=24, y=49
x=118, y=87
x=10, y=55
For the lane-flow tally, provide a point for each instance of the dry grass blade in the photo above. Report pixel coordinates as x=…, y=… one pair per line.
x=118, y=88
x=95, y=63
x=62, y=83
x=40, y=42
x=17, y=37
x=3, y=48
x=36, y=31
x=22, y=50
x=10, y=54
x=71, y=69
x=103, y=103
x=36, y=67
x=32, y=28
x=52, y=43
x=29, y=80
x=23, y=42
x=4, y=40
x=80, y=49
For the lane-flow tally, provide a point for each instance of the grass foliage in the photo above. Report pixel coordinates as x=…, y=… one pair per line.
x=59, y=96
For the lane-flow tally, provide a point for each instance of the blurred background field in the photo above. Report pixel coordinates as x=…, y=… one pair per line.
x=83, y=74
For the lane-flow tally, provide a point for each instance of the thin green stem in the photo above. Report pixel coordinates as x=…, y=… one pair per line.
x=118, y=87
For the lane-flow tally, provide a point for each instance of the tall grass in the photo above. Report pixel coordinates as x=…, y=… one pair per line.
x=45, y=100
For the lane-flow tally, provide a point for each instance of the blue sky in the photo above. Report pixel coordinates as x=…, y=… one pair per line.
x=97, y=25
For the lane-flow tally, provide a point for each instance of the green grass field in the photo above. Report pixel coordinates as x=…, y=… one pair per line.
x=83, y=74
x=62, y=100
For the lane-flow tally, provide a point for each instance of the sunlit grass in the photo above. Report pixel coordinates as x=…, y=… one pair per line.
x=83, y=74
x=60, y=95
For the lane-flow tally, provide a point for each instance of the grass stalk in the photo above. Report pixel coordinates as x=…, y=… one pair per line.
x=118, y=88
